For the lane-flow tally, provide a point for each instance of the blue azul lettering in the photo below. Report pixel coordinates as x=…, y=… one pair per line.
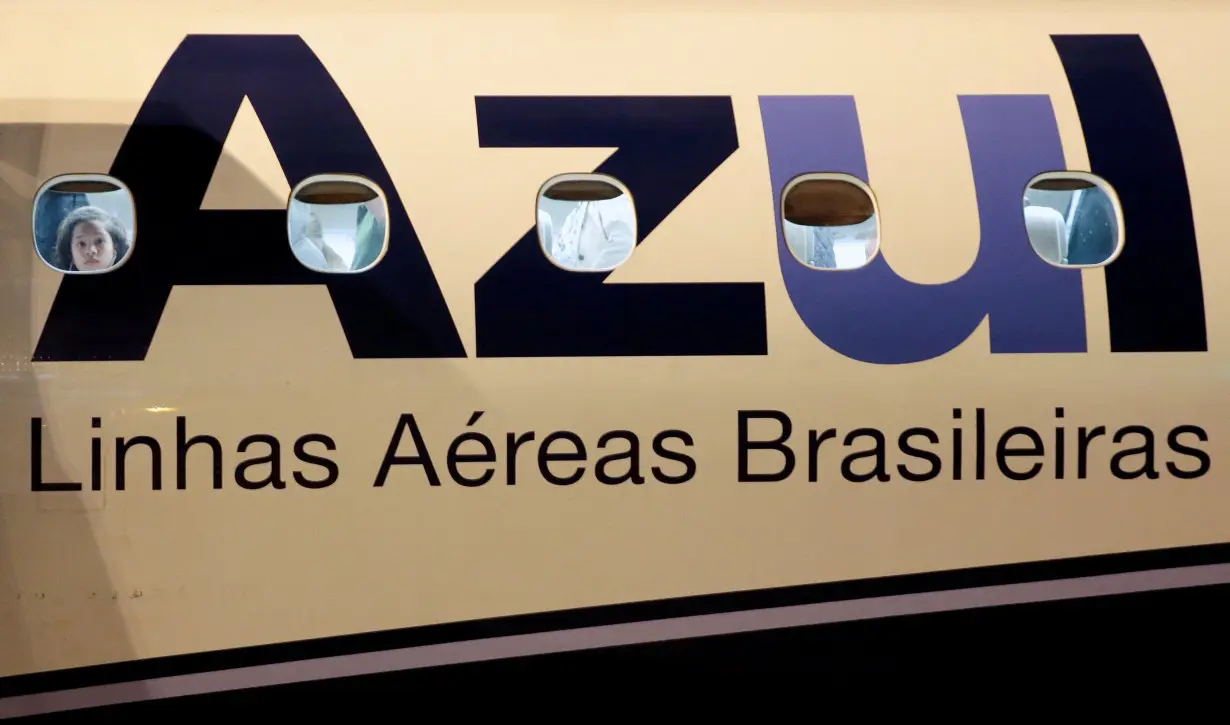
x=1033, y=306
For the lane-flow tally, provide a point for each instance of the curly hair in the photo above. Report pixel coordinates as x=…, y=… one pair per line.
x=64, y=235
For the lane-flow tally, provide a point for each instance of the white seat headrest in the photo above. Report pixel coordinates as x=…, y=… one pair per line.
x=1047, y=233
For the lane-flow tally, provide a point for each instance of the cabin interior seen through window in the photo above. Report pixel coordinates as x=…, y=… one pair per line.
x=586, y=222
x=830, y=221
x=1073, y=219
x=338, y=223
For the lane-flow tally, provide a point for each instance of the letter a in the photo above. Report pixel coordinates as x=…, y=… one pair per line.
x=394, y=310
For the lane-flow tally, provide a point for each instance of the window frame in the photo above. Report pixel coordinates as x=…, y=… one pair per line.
x=587, y=176
x=83, y=176
x=342, y=177
x=830, y=176
x=1073, y=203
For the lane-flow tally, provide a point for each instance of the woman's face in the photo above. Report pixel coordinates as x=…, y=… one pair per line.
x=93, y=248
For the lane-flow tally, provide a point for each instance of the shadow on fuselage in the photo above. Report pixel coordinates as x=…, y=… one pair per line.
x=43, y=624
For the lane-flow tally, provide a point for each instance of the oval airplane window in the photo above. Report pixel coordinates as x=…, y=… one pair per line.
x=84, y=223
x=338, y=223
x=1073, y=219
x=830, y=221
x=586, y=222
